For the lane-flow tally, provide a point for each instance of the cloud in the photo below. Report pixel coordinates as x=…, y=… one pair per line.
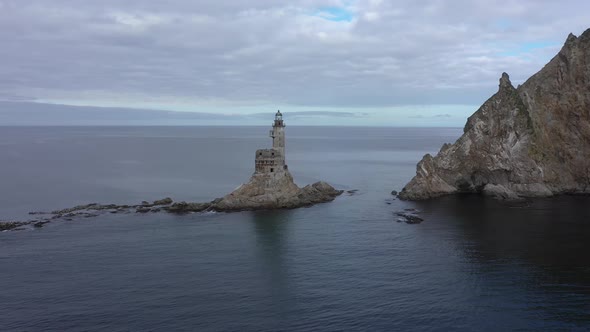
x=422, y=116
x=304, y=53
x=30, y=113
x=320, y=114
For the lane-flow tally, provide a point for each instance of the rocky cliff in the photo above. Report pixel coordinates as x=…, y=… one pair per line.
x=529, y=141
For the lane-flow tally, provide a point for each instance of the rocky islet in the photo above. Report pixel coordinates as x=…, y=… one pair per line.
x=270, y=187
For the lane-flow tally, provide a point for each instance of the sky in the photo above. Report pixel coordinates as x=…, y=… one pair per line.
x=328, y=62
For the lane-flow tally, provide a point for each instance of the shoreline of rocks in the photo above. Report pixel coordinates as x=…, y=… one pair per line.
x=162, y=205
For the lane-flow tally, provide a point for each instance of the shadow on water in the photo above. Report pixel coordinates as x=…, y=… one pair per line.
x=540, y=247
x=546, y=232
x=271, y=230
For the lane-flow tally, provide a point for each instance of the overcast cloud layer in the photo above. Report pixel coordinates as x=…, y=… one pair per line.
x=228, y=56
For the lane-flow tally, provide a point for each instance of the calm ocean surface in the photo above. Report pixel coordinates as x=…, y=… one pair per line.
x=473, y=264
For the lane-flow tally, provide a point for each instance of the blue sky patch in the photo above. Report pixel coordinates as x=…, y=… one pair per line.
x=337, y=14
x=528, y=47
x=504, y=24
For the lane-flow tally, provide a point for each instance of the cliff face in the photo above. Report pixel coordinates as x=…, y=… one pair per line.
x=529, y=141
x=275, y=191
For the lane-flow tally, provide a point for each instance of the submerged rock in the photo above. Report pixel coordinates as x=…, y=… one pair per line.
x=143, y=209
x=409, y=216
x=38, y=212
x=530, y=141
x=40, y=224
x=75, y=208
x=10, y=225
x=184, y=207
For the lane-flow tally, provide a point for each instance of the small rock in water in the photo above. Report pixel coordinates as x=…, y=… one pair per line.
x=184, y=207
x=409, y=217
x=142, y=209
x=164, y=201
x=37, y=212
x=394, y=193
x=40, y=224
x=10, y=225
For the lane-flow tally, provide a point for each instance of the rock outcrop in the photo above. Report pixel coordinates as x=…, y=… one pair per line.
x=529, y=141
x=275, y=191
x=271, y=186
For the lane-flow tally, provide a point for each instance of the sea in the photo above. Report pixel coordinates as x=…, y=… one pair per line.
x=473, y=264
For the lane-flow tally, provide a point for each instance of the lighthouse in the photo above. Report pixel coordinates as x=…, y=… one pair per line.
x=272, y=186
x=272, y=161
x=277, y=133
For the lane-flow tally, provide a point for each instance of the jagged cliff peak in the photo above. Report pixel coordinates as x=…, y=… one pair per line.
x=505, y=81
x=505, y=84
x=527, y=141
x=572, y=38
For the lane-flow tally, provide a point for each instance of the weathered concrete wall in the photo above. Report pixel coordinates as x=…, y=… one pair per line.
x=269, y=161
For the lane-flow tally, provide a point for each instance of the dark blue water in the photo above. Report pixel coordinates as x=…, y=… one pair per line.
x=473, y=264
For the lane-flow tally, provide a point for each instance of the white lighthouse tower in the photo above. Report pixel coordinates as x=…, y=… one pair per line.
x=273, y=160
x=278, y=134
